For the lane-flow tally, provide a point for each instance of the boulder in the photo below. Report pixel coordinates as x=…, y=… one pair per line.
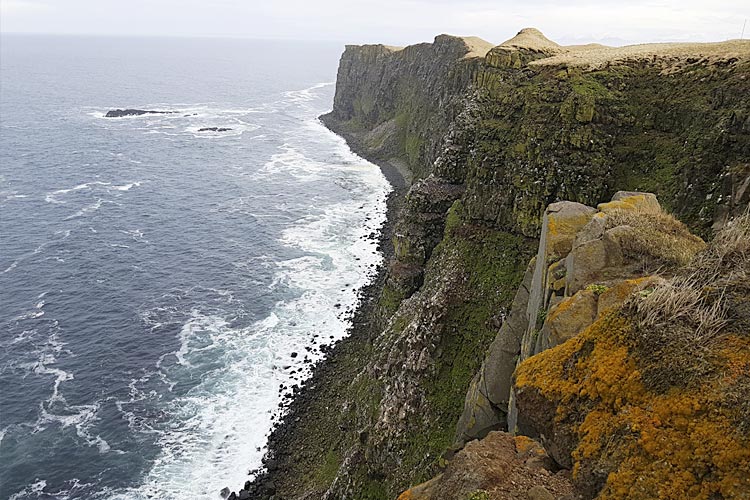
x=594, y=261
x=631, y=200
x=497, y=467
x=614, y=296
x=569, y=318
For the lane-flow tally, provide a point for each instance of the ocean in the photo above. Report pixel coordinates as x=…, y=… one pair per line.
x=161, y=287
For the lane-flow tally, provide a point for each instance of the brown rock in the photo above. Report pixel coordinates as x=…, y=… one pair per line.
x=571, y=316
x=618, y=293
x=539, y=493
x=496, y=466
x=561, y=223
x=588, y=262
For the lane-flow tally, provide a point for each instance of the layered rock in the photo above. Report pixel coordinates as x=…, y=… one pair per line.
x=396, y=104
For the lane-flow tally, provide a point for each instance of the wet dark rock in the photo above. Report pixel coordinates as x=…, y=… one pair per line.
x=214, y=129
x=119, y=113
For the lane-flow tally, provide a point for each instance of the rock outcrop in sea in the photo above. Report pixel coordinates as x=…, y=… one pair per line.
x=565, y=313
x=119, y=113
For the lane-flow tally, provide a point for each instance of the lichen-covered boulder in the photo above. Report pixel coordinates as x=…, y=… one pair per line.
x=631, y=200
x=570, y=317
x=612, y=297
x=595, y=260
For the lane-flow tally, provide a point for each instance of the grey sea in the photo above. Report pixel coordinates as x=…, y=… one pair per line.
x=162, y=287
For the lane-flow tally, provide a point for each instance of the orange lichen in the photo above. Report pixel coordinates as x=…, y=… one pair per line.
x=617, y=294
x=735, y=356
x=527, y=446
x=634, y=202
x=406, y=495
x=679, y=444
x=560, y=308
x=562, y=229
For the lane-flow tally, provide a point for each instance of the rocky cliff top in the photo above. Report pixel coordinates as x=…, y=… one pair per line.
x=532, y=38
x=475, y=46
x=596, y=56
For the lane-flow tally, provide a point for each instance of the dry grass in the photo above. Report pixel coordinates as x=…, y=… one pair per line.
x=595, y=57
x=532, y=38
x=477, y=47
x=679, y=323
x=656, y=237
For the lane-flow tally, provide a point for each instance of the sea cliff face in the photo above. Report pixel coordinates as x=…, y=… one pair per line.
x=490, y=271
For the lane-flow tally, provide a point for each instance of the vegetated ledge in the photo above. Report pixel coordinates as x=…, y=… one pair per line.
x=489, y=144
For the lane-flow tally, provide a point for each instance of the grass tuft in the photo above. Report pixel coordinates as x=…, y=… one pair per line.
x=679, y=323
x=656, y=236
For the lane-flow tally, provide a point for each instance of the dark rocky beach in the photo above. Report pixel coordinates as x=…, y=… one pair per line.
x=326, y=372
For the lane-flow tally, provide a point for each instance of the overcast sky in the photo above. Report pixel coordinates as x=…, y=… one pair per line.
x=396, y=22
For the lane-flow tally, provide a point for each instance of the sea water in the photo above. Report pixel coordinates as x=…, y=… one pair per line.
x=162, y=288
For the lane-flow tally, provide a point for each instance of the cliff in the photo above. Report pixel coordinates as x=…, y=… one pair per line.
x=490, y=272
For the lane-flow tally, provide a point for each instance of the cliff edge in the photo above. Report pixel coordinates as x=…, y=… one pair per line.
x=545, y=184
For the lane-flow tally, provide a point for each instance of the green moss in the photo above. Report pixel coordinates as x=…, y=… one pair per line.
x=413, y=148
x=597, y=289
x=453, y=217
x=492, y=263
x=389, y=300
x=326, y=473
x=552, y=134
x=479, y=495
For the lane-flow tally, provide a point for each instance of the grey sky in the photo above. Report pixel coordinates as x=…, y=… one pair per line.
x=395, y=22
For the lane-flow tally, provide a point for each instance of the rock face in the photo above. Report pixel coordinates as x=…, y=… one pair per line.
x=398, y=103
x=582, y=269
x=119, y=113
x=492, y=145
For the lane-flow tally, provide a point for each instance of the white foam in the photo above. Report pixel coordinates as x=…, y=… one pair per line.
x=89, y=208
x=126, y=187
x=306, y=95
x=34, y=489
x=218, y=429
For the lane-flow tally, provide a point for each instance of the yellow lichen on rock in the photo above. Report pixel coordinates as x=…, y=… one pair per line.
x=645, y=202
x=571, y=316
x=680, y=444
x=615, y=295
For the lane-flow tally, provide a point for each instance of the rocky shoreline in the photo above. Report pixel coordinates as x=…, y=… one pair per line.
x=360, y=332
